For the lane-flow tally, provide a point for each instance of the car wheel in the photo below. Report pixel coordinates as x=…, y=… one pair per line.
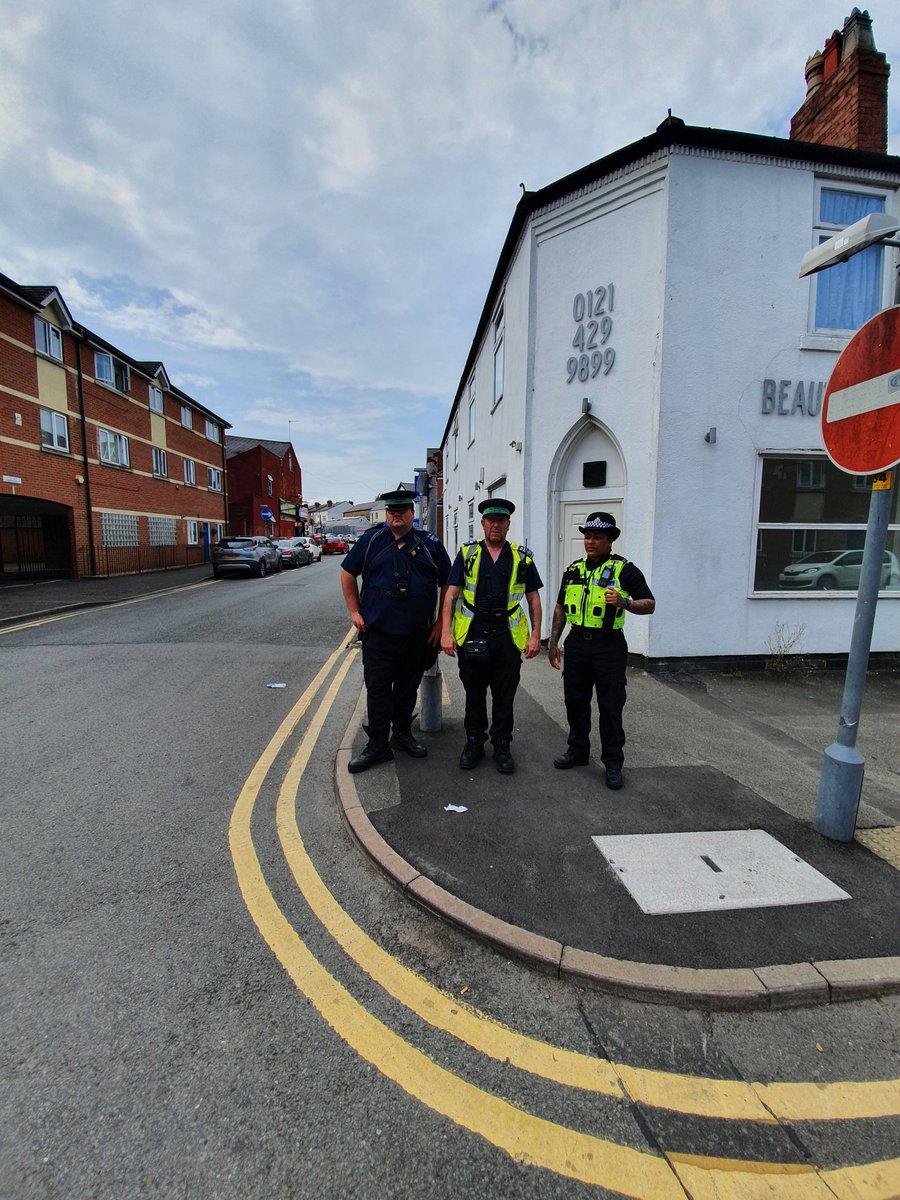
x=261, y=569
x=826, y=583
x=279, y=566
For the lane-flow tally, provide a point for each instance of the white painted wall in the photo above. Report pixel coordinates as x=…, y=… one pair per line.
x=703, y=250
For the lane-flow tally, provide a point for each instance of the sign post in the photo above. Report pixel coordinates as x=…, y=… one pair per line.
x=861, y=430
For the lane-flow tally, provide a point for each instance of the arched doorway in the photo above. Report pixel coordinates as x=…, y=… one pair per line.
x=587, y=473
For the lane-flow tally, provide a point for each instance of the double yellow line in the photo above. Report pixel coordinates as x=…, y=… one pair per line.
x=525, y=1137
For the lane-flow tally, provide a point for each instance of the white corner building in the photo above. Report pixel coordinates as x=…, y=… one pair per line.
x=648, y=348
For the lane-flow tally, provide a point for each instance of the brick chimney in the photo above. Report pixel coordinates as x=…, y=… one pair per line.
x=846, y=91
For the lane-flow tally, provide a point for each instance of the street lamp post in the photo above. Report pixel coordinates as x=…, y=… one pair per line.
x=840, y=782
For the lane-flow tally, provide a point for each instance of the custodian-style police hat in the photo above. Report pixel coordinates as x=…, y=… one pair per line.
x=402, y=498
x=495, y=507
x=601, y=522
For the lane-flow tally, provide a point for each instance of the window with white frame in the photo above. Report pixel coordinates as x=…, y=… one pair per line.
x=160, y=463
x=190, y=472
x=54, y=430
x=113, y=448
x=456, y=441
x=270, y=484
x=47, y=339
x=471, y=535
x=111, y=371
x=455, y=530
x=220, y=531
x=499, y=330
x=811, y=528
x=471, y=410
x=848, y=294
x=212, y=430
x=156, y=399
x=498, y=488
x=119, y=529
x=187, y=417
x=214, y=479
x=193, y=533
x=162, y=531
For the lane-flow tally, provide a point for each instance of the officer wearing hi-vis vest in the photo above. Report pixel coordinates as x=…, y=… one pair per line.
x=404, y=571
x=484, y=623
x=595, y=594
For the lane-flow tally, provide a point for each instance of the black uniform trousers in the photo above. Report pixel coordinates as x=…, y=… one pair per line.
x=393, y=664
x=500, y=672
x=595, y=663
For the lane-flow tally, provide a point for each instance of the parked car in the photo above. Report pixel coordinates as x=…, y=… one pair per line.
x=315, y=550
x=294, y=552
x=827, y=570
x=253, y=555
x=334, y=543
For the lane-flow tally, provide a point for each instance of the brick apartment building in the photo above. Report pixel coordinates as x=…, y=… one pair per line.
x=105, y=466
x=265, y=488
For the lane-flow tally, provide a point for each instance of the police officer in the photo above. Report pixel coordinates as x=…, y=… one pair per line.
x=484, y=619
x=403, y=571
x=595, y=594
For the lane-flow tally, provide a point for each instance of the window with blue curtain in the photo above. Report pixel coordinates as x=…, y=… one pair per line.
x=849, y=294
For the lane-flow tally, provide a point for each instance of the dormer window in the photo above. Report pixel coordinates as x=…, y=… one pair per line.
x=110, y=371
x=47, y=339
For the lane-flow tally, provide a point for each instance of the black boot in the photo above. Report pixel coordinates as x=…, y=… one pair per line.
x=502, y=757
x=572, y=758
x=376, y=750
x=407, y=743
x=474, y=750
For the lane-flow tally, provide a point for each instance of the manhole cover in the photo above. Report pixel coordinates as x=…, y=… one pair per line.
x=702, y=872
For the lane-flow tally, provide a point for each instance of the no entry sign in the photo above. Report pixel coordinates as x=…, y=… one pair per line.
x=861, y=410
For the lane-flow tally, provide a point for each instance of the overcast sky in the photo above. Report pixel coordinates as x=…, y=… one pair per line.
x=297, y=206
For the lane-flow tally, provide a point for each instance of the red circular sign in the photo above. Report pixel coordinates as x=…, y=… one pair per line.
x=861, y=411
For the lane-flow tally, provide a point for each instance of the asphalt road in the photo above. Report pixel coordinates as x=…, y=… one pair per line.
x=180, y=1022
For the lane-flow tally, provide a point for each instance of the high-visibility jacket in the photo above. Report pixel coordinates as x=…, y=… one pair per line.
x=584, y=598
x=465, y=601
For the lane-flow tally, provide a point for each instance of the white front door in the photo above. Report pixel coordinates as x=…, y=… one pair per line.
x=574, y=514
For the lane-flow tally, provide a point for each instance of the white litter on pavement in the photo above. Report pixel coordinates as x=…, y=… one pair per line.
x=455, y=808
x=276, y=685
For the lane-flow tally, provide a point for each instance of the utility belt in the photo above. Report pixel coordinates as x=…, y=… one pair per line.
x=492, y=616
x=594, y=635
x=401, y=590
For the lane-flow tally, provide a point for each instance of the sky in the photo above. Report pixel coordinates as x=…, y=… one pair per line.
x=298, y=206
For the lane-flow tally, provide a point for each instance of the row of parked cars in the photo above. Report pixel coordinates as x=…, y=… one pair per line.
x=255, y=555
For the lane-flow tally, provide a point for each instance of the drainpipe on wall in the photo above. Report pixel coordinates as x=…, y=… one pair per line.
x=84, y=455
x=225, y=528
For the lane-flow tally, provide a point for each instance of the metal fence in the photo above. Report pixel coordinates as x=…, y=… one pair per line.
x=133, y=560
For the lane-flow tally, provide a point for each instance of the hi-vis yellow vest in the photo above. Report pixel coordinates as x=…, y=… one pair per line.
x=465, y=601
x=585, y=595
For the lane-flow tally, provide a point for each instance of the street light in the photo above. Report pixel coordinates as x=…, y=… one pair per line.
x=840, y=782
x=876, y=227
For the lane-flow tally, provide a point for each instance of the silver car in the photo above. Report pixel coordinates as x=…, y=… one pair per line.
x=250, y=555
x=834, y=570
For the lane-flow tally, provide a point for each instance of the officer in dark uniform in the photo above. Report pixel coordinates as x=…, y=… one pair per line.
x=485, y=623
x=595, y=594
x=404, y=574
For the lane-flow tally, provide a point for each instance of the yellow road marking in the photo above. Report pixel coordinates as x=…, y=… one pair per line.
x=694, y=1095
x=80, y=612
x=525, y=1137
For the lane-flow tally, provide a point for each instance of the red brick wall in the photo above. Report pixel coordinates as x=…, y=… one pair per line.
x=53, y=476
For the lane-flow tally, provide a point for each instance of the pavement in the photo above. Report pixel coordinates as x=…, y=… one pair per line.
x=706, y=753
x=518, y=868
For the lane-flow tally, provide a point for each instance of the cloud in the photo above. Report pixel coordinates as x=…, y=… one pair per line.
x=300, y=208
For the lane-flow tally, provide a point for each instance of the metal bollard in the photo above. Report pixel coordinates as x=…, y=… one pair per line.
x=430, y=695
